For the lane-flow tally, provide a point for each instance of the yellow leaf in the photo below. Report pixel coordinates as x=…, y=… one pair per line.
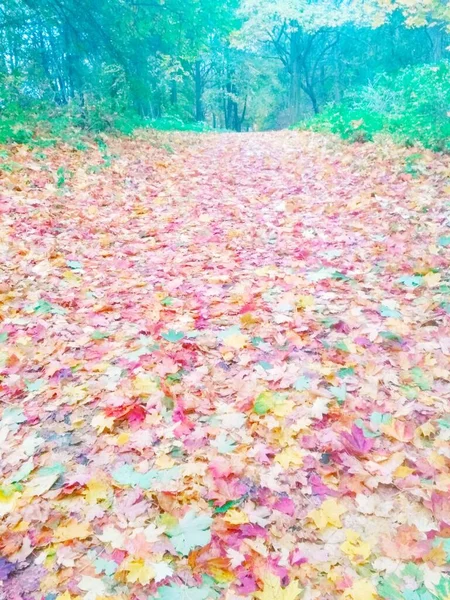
x=357, y=550
x=138, y=571
x=403, y=471
x=221, y=575
x=145, y=384
x=237, y=340
x=96, y=490
x=273, y=591
x=236, y=517
x=22, y=526
x=164, y=462
x=305, y=301
x=100, y=422
x=76, y=393
x=427, y=429
x=248, y=319
x=328, y=514
x=432, y=279
x=122, y=439
x=361, y=590
x=8, y=502
x=72, y=531
x=289, y=456
x=283, y=408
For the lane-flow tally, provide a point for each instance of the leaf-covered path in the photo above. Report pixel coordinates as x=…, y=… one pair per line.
x=225, y=371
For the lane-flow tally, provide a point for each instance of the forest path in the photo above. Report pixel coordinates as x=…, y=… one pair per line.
x=224, y=370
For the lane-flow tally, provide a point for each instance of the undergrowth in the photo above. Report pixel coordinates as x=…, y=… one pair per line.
x=412, y=106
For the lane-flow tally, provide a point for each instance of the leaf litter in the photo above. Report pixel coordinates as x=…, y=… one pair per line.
x=225, y=371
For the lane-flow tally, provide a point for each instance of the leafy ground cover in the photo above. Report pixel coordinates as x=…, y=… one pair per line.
x=225, y=370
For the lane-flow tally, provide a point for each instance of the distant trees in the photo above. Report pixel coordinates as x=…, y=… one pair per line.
x=232, y=63
x=325, y=47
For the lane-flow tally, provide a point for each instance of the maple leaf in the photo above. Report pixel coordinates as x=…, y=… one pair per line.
x=161, y=571
x=236, y=517
x=173, y=336
x=145, y=384
x=138, y=571
x=72, y=531
x=113, y=536
x=233, y=337
x=101, y=423
x=357, y=550
x=182, y=592
x=97, y=490
x=93, y=586
x=272, y=589
x=40, y=485
x=289, y=456
x=363, y=589
x=193, y=530
x=329, y=513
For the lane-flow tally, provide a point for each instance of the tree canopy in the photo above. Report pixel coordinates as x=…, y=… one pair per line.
x=233, y=64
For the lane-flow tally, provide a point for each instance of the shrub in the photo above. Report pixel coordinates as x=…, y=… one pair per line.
x=413, y=106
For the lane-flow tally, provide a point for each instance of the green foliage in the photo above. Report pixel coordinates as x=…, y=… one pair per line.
x=73, y=69
x=413, y=106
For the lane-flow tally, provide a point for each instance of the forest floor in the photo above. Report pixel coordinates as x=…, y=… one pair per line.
x=225, y=370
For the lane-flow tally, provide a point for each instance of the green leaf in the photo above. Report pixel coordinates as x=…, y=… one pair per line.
x=366, y=432
x=412, y=281
x=340, y=393
x=173, y=336
x=74, y=264
x=191, y=532
x=108, y=567
x=56, y=469
x=443, y=588
x=23, y=472
x=13, y=415
x=3, y=336
x=444, y=241
x=388, y=588
x=341, y=345
x=265, y=365
x=224, y=444
x=389, y=335
x=345, y=371
x=182, y=592
x=126, y=475
x=264, y=402
x=410, y=392
x=377, y=419
x=44, y=307
x=168, y=301
x=302, y=383
x=35, y=386
x=385, y=311
x=340, y=276
x=420, y=379
x=227, y=506
x=99, y=335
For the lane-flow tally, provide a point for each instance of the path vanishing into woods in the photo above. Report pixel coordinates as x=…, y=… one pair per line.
x=224, y=370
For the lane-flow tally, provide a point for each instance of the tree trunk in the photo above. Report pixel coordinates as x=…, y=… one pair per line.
x=199, y=114
x=295, y=100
